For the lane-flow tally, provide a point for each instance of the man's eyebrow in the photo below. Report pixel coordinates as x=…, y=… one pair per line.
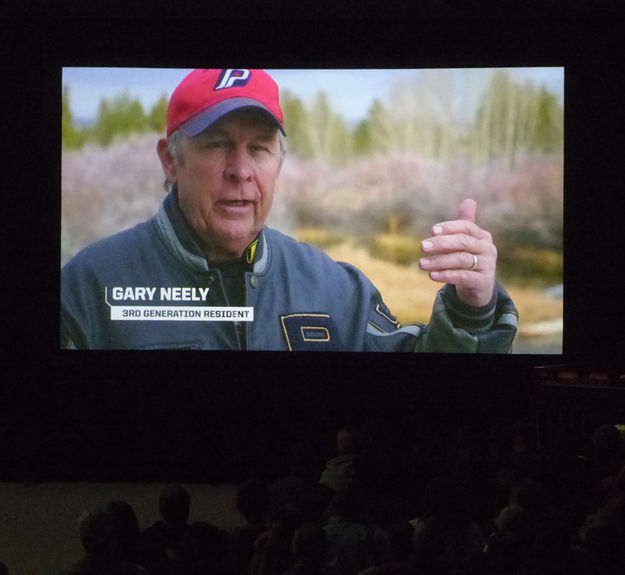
x=212, y=132
x=267, y=134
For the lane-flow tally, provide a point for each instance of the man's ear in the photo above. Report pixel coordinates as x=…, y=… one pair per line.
x=167, y=160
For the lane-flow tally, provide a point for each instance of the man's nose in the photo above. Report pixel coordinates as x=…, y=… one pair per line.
x=238, y=165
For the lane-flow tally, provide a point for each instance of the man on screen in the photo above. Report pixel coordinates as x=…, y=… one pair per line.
x=206, y=273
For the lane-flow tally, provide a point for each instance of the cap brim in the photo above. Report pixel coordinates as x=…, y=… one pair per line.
x=204, y=119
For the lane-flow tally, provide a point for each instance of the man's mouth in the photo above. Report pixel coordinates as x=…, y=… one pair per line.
x=234, y=203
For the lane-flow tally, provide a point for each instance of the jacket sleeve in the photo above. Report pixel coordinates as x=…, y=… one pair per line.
x=454, y=327
x=457, y=327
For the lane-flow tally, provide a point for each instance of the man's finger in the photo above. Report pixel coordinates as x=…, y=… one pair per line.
x=467, y=210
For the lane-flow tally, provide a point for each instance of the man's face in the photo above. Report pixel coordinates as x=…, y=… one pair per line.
x=226, y=178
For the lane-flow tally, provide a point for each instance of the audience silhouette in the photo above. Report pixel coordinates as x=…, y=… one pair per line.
x=473, y=502
x=173, y=546
x=252, y=501
x=299, y=488
x=126, y=529
x=272, y=548
x=346, y=466
x=354, y=541
x=309, y=548
x=103, y=555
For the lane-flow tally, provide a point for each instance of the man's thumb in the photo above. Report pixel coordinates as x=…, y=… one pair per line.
x=467, y=210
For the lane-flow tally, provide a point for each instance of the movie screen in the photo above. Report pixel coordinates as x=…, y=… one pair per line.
x=371, y=161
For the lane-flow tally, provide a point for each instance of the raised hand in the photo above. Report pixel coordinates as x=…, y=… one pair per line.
x=461, y=253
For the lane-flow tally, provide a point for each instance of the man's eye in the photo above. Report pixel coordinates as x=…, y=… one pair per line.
x=212, y=144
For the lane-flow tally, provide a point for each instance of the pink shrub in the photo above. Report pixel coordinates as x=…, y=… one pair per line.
x=109, y=189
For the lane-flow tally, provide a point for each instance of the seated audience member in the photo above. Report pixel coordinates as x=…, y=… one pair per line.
x=175, y=546
x=532, y=496
x=309, y=548
x=4, y=570
x=127, y=530
x=602, y=534
x=99, y=541
x=350, y=449
x=430, y=556
x=449, y=501
x=354, y=543
x=510, y=542
x=251, y=501
x=399, y=536
x=300, y=488
x=272, y=548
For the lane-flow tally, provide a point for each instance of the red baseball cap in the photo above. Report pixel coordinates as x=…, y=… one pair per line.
x=204, y=96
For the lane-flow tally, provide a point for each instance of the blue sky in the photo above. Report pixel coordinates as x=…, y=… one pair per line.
x=351, y=92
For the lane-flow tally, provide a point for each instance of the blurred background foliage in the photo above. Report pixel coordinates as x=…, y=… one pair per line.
x=117, y=117
x=512, y=120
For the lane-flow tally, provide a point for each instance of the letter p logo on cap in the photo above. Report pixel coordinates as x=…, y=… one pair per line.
x=231, y=77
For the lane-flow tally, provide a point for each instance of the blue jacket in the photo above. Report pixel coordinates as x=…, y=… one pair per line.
x=150, y=287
